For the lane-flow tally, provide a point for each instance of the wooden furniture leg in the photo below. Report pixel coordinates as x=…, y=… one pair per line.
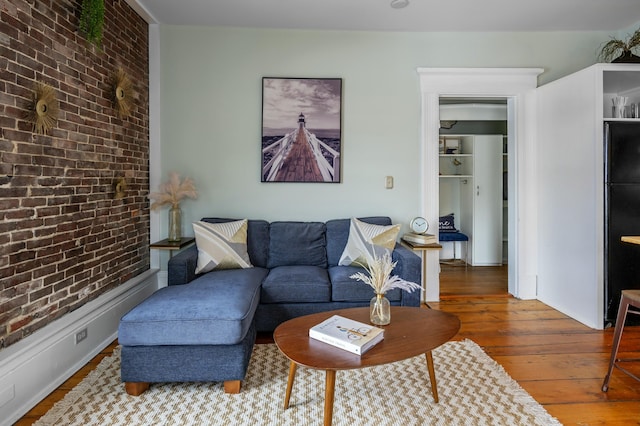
x=330, y=385
x=432, y=376
x=136, y=388
x=292, y=375
x=424, y=276
x=617, y=335
x=232, y=386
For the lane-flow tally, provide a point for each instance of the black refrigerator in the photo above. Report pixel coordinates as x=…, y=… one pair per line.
x=622, y=214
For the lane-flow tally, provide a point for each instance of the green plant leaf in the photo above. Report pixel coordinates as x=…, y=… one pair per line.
x=92, y=21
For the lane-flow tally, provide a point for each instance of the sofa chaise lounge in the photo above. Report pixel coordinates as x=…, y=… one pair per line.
x=202, y=326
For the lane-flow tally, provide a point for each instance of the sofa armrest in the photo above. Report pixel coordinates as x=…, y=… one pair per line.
x=408, y=267
x=182, y=267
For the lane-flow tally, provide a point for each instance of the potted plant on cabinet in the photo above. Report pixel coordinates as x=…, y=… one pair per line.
x=619, y=51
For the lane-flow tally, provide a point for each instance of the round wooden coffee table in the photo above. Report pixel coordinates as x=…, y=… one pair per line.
x=412, y=332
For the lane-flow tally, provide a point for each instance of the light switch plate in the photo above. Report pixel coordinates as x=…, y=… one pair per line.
x=388, y=182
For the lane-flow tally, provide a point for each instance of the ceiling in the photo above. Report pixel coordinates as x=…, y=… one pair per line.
x=419, y=15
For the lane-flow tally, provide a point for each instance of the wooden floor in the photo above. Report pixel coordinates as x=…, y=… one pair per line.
x=559, y=361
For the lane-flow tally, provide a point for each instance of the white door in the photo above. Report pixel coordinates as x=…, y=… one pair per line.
x=487, y=201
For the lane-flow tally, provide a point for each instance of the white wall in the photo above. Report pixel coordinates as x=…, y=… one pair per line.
x=211, y=110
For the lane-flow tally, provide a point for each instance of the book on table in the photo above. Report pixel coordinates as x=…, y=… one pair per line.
x=347, y=334
x=421, y=239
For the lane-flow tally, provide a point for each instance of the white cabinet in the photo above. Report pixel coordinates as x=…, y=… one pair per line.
x=570, y=197
x=471, y=181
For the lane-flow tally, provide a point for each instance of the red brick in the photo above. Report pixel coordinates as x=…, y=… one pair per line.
x=9, y=203
x=19, y=214
x=19, y=323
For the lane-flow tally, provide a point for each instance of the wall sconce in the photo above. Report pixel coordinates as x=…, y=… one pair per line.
x=122, y=93
x=42, y=110
x=121, y=188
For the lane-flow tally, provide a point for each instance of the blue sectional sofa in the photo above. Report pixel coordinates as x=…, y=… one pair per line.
x=202, y=327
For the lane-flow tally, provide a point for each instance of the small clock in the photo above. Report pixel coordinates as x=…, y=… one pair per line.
x=419, y=225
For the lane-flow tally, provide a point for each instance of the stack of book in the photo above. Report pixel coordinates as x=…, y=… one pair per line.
x=347, y=334
x=422, y=239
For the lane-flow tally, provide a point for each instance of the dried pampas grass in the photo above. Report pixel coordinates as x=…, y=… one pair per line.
x=173, y=191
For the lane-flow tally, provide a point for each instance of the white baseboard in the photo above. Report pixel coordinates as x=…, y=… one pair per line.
x=163, y=279
x=36, y=365
x=527, y=288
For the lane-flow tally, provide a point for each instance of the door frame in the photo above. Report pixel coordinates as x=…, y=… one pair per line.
x=518, y=86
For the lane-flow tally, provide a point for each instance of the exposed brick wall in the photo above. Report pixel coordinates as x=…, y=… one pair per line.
x=64, y=238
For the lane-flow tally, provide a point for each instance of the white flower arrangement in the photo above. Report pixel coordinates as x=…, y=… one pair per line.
x=380, y=279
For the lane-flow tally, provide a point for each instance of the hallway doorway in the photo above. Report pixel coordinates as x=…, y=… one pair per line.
x=517, y=86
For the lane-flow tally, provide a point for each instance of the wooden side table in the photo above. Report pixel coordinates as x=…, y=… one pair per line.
x=422, y=248
x=173, y=245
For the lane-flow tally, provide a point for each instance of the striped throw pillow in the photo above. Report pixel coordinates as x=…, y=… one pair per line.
x=221, y=245
x=366, y=241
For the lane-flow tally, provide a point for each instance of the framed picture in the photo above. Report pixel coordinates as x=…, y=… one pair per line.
x=301, y=129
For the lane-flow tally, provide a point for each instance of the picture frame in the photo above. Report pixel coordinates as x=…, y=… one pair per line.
x=301, y=130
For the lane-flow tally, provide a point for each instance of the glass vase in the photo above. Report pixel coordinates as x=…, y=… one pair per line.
x=175, y=224
x=380, y=310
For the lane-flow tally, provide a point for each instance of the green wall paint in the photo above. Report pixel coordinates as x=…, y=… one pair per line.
x=211, y=110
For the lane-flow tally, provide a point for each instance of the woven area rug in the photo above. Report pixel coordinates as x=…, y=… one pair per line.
x=473, y=390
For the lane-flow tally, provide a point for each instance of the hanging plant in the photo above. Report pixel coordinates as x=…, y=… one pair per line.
x=92, y=21
x=43, y=108
x=616, y=50
x=122, y=92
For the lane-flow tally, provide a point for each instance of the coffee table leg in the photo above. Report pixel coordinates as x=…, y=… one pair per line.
x=292, y=376
x=432, y=376
x=330, y=385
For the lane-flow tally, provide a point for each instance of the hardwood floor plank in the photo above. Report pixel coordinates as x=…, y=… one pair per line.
x=582, y=390
x=592, y=414
x=554, y=366
x=537, y=344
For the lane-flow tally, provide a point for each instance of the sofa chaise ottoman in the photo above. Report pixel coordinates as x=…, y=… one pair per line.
x=244, y=277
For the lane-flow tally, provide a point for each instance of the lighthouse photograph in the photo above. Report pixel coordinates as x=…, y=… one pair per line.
x=301, y=129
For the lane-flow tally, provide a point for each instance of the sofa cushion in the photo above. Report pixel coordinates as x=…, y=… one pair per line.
x=346, y=289
x=296, y=284
x=366, y=241
x=214, y=309
x=297, y=243
x=257, y=239
x=338, y=234
x=221, y=245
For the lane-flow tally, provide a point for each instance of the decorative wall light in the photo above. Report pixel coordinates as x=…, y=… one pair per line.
x=43, y=108
x=122, y=92
x=121, y=188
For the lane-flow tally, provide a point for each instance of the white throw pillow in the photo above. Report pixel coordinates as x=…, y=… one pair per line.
x=221, y=245
x=366, y=241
